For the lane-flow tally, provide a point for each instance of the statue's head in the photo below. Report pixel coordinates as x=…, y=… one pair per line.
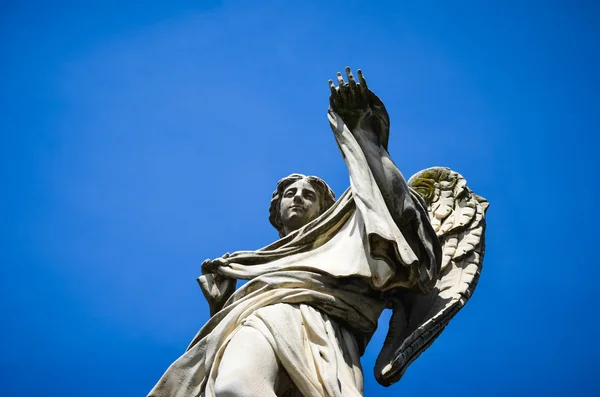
x=298, y=200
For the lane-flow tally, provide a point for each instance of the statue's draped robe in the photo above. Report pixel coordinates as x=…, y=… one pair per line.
x=315, y=295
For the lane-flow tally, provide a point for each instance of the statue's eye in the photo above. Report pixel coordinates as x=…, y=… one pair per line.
x=289, y=193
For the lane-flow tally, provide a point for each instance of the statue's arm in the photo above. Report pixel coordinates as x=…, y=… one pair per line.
x=388, y=177
x=360, y=125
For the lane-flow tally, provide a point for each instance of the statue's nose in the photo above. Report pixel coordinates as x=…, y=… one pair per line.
x=298, y=198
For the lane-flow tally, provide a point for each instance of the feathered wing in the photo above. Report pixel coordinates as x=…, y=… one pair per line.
x=458, y=218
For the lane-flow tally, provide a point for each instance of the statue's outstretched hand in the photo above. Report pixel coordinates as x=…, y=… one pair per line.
x=360, y=109
x=350, y=100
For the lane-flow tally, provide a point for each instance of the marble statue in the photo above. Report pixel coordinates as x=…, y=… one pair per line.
x=300, y=324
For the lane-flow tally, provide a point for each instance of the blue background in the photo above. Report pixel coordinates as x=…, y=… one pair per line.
x=138, y=139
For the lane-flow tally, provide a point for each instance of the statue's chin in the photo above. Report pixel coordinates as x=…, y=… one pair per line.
x=295, y=223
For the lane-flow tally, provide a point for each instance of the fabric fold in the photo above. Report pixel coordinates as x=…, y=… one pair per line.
x=326, y=279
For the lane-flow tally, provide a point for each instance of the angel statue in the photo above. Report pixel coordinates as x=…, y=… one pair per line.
x=300, y=324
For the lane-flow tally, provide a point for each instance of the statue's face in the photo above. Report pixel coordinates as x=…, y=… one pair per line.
x=299, y=205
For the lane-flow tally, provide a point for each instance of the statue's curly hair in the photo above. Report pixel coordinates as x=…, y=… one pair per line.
x=325, y=193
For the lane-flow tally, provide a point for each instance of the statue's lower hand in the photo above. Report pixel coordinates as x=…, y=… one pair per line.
x=216, y=289
x=212, y=265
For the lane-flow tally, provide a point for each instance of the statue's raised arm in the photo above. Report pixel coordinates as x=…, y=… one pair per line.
x=434, y=202
x=401, y=233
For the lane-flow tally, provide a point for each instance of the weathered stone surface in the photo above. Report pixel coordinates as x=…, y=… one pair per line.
x=301, y=323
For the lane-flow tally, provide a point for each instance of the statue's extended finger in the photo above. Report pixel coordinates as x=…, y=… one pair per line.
x=350, y=76
x=362, y=81
x=353, y=92
x=334, y=97
x=332, y=88
x=342, y=87
x=340, y=79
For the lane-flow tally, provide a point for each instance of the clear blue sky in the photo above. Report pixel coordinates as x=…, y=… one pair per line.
x=139, y=139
